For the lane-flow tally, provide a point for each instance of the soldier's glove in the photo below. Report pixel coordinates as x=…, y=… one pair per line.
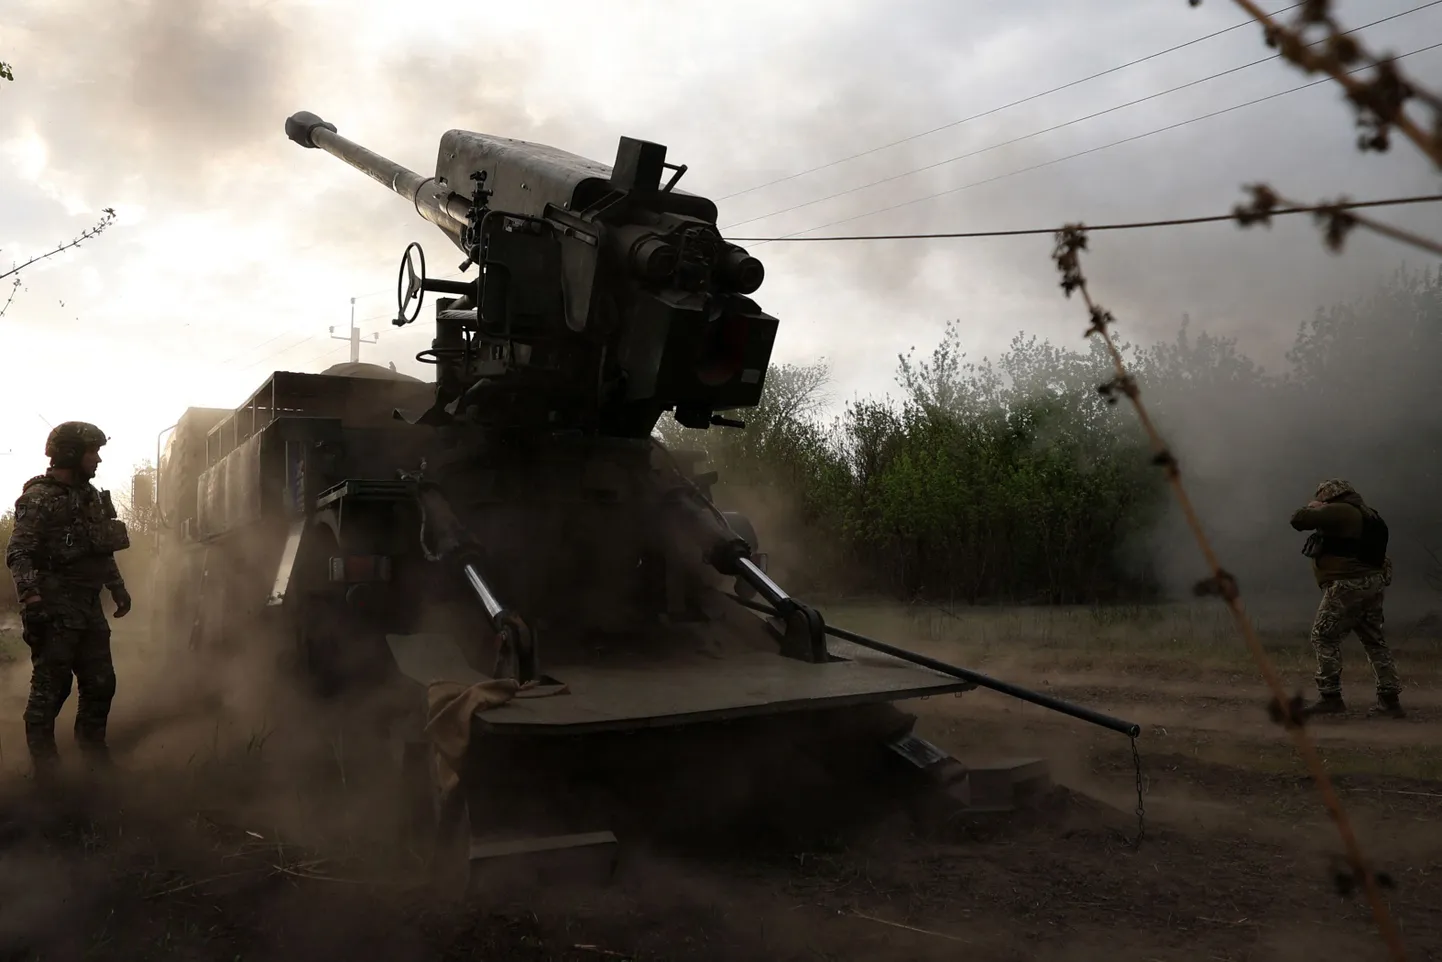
x=122, y=600
x=34, y=622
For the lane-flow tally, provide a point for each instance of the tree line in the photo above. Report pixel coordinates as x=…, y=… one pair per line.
x=1014, y=480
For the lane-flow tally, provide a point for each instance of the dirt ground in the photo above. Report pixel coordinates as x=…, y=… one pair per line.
x=188, y=853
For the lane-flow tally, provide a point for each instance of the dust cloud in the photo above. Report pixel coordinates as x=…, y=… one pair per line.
x=1360, y=401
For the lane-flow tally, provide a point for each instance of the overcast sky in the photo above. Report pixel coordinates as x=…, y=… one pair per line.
x=235, y=250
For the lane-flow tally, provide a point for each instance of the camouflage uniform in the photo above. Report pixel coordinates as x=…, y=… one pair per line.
x=62, y=550
x=1348, y=549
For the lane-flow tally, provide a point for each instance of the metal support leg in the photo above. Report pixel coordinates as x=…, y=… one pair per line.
x=517, y=641
x=804, y=635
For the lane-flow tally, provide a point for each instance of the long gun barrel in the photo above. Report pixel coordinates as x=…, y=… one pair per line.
x=433, y=199
x=605, y=296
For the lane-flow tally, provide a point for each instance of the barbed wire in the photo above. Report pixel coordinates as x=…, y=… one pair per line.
x=1379, y=103
x=107, y=217
x=1289, y=712
x=996, y=110
x=1336, y=218
x=1238, y=215
x=1092, y=150
x=14, y=289
x=1058, y=126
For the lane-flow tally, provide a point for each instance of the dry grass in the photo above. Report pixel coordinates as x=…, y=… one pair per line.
x=1124, y=639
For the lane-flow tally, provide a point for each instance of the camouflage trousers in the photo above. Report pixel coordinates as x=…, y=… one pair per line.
x=1353, y=605
x=76, y=644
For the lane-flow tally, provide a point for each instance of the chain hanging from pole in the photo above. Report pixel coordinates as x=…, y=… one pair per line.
x=1141, y=806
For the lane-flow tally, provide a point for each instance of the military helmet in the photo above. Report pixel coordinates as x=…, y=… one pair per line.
x=1334, y=488
x=69, y=441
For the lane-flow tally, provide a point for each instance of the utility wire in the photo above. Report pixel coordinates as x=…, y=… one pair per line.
x=795, y=235
x=987, y=113
x=1024, y=232
x=1129, y=225
x=1055, y=127
x=284, y=350
x=997, y=110
x=957, y=123
x=1083, y=153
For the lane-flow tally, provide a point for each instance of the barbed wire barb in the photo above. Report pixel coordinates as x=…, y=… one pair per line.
x=1337, y=218
x=1274, y=211
x=1380, y=102
x=1071, y=240
x=107, y=217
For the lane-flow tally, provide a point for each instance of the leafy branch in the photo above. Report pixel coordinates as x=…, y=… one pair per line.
x=1071, y=241
x=108, y=216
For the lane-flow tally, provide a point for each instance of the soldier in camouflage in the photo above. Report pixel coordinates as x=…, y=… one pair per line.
x=1348, y=548
x=61, y=555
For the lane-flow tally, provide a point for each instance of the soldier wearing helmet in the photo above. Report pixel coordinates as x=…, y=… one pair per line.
x=61, y=554
x=1348, y=548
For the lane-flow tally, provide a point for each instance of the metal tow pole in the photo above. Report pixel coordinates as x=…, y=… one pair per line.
x=1130, y=729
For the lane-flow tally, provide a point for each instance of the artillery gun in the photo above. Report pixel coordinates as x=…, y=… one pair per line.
x=516, y=518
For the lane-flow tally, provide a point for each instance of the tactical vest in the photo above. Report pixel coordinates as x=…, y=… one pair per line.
x=1370, y=548
x=88, y=528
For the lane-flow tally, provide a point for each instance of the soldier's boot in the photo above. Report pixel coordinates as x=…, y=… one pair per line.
x=90, y=736
x=44, y=755
x=1389, y=705
x=1330, y=703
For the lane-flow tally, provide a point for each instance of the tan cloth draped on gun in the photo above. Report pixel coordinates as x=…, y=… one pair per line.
x=450, y=705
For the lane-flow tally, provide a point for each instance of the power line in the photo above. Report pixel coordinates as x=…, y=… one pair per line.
x=996, y=110
x=1128, y=225
x=245, y=350
x=956, y=123
x=1024, y=170
x=1023, y=232
x=1054, y=127
x=326, y=353
x=1083, y=153
x=282, y=350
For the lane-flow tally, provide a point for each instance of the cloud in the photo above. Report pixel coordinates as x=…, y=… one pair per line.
x=235, y=249
x=1302, y=142
x=156, y=96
